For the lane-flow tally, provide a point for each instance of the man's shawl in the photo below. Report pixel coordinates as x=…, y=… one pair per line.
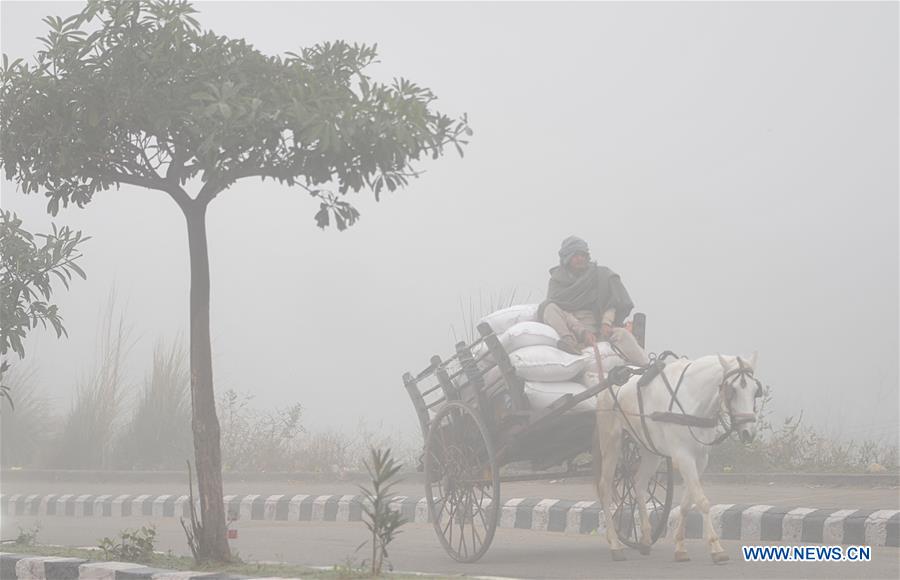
x=598, y=289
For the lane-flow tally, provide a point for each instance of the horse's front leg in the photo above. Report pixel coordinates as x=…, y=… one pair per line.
x=606, y=452
x=648, y=466
x=716, y=551
x=692, y=482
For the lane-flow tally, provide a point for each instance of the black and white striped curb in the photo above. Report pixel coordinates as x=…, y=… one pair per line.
x=731, y=521
x=24, y=567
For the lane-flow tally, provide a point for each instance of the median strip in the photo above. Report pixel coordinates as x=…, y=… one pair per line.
x=732, y=522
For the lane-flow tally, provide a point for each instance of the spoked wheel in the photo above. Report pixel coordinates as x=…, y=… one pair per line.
x=462, y=482
x=627, y=516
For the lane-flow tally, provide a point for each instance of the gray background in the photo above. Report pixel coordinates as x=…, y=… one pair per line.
x=736, y=163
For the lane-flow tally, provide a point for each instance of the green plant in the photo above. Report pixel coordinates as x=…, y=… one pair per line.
x=28, y=536
x=192, y=530
x=382, y=522
x=134, y=92
x=350, y=569
x=27, y=270
x=130, y=546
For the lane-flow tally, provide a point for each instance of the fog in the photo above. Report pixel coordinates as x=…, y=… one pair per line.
x=736, y=163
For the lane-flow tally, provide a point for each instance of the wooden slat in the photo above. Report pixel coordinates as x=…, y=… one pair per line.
x=475, y=385
x=513, y=381
x=418, y=401
x=450, y=392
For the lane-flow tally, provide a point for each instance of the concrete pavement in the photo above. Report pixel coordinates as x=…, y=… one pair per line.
x=514, y=553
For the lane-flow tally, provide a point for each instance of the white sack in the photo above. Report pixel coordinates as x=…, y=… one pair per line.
x=524, y=334
x=502, y=320
x=493, y=375
x=546, y=363
x=608, y=358
x=542, y=395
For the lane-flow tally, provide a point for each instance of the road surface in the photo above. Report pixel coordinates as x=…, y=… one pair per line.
x=514, y=553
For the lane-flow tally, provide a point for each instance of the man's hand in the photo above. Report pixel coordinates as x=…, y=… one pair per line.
x=589, y=338
x=606, y=330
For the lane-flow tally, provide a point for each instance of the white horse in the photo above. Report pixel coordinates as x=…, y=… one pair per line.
x=683, y=429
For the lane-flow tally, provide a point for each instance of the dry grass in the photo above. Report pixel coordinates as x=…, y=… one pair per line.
x=88, y=430
x=159, y=433
x=25, y=430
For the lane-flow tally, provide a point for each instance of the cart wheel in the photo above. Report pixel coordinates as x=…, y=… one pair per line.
x=462, y=482
x=627, y=516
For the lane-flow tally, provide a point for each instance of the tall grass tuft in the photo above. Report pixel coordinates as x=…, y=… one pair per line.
x=25, y=429
x=159, y=434
x=88, y=431
x=473, y=310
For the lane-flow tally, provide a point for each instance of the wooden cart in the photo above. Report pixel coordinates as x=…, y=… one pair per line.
x=476, y=419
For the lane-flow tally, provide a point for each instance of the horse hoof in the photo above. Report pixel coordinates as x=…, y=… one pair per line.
x=682, y=557
x=719, y=557
x=644, y=550
x=618, y=555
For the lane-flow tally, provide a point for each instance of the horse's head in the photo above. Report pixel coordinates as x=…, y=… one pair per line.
x=740, y=392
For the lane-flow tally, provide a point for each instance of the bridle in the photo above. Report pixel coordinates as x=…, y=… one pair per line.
x=727, y=388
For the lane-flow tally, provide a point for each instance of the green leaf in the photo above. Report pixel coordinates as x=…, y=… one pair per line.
x=322, y=216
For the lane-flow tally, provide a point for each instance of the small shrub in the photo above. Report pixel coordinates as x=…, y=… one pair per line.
x=28, y=536
x=325, y=452
x=254, y=440
x=793, y=446
x=130, y=546
x=382, y=522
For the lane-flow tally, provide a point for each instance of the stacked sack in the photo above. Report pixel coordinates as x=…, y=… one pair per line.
x=548, y=372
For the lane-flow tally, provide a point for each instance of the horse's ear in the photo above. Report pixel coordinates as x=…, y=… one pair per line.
x=723, y=362
x=753, y=358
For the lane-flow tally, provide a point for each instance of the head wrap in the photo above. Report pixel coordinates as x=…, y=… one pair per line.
x=571, y=246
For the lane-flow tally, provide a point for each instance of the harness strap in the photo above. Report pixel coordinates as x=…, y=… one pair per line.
x=648, y=444
x=674, y=393
x=682, y=419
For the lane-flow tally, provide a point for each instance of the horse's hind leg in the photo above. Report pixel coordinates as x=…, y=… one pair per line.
x=686, y=467
x=681, y=554
x=606, y=452
x=648, y=466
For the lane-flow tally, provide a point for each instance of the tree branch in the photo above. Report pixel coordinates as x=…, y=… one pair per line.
x=175, y=192
x=209, y=190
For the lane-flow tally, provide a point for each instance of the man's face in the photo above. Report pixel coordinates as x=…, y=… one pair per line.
x=579, y=262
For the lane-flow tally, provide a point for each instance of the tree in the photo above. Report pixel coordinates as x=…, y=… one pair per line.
x=27, y=271
x=133, y=92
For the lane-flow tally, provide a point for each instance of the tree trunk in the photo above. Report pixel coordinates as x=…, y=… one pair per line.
x=212, y=543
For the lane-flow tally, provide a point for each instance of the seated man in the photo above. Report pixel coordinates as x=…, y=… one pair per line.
x=585, y=301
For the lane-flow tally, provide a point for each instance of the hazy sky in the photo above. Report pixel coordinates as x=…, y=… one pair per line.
x=736, y=163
